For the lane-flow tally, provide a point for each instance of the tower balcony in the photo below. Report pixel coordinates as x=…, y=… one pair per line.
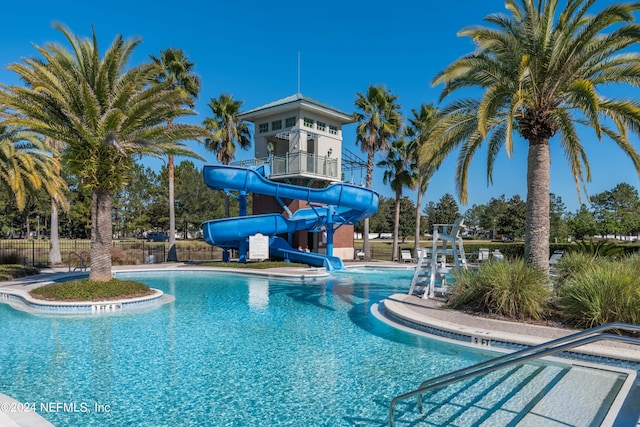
x=299, y=164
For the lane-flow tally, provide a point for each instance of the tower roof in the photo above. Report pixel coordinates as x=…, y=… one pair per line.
x=296, y=102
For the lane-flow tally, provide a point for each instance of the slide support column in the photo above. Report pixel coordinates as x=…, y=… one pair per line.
x=329, y=226
x=242, y=201
x=242, y=249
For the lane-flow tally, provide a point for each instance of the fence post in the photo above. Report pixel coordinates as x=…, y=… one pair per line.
x=33, y=253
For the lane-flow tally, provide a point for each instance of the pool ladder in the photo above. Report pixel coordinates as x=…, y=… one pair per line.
x=519, y=357
x=83, y=257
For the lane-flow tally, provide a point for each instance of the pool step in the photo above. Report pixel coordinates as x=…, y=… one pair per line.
x=527, y=395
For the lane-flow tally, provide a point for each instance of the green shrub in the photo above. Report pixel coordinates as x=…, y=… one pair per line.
x=11, y=257
x=573, y=263
x=634, y=260
x=509, y=288
x=10, y=272
x=88, y=290
x=603, y=293
x=600, y=248
x=466, y=288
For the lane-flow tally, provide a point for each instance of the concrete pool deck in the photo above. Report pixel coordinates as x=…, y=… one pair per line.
x=401, y=310
x=405, y=311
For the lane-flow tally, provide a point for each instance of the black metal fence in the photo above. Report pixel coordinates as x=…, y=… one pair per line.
x=36, y=252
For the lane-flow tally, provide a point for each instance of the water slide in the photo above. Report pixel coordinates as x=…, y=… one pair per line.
x=337, y=204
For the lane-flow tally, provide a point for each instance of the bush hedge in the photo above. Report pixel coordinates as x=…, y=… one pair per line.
x=511, y=289
x=598, y=293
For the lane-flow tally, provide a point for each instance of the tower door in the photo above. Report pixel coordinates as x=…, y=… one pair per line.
x=311, y=150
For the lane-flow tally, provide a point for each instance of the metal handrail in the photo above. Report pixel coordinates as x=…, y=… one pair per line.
x=83, y=261
x=530, y=353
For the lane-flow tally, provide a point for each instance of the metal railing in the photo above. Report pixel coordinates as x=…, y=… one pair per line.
x=519, y=357
x=295, y=164
x=36, y=252
x=83, y=257
x=302, y=162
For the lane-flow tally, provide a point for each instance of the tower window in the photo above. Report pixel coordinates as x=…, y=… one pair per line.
x=263, y=127
x=276, y=125
x=290, y=122
x=333, y=130
x=321, y=126
x=308, y=122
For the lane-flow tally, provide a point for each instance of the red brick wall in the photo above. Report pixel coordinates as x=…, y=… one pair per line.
x=343, y=237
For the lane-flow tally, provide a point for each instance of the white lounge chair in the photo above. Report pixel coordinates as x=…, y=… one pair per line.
x=555, y=257
x=483, y=254
x=406, y=256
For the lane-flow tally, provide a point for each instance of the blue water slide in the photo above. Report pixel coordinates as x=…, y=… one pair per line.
x=337, y=204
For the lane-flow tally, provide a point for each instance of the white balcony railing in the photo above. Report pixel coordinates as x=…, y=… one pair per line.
x=298, y=164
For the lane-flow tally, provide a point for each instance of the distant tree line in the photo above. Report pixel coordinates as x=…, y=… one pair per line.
x=612, y=213
x=139, y=207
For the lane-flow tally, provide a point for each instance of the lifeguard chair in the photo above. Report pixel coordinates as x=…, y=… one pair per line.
x=433, y=264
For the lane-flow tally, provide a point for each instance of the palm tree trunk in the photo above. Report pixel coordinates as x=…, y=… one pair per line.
x=536, y=238
x=416, y=243
x=396, y=223
x=368, y=180
x=101, y=235
x=54, y=243
x=172, y=256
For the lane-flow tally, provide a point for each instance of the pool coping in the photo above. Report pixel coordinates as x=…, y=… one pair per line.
x=16, y=292
x=430, y=317
x=17, y=414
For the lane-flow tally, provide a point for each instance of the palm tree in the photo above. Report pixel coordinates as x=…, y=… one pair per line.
x=420, y=127
x=228, y=131
x=540, y=71
x=379, y=121
x=104, y=112
x=177, y=72
x=27, y=165
x=55, y=257
x=399, y=172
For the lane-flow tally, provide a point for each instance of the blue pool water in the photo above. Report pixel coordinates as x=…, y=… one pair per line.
x=232, y=350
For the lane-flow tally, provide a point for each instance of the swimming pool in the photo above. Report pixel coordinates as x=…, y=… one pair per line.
x=232, y=350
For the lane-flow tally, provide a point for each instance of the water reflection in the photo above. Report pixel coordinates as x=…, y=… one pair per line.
x=258, y=293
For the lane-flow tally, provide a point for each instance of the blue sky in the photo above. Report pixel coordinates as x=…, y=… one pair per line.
x=250, y=50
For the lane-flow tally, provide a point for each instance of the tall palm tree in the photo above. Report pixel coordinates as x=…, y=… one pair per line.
x=104, y=112
x=379, y=120
x=228, y=132
x=541, y=70
x=177, y=72
x=419, y=130
x=400, y=172
x=55, y=257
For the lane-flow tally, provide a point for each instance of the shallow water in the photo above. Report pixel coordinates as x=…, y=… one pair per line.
x=232, y=350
